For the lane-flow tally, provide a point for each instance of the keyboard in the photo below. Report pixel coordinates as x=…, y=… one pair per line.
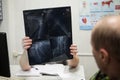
x=11, y=78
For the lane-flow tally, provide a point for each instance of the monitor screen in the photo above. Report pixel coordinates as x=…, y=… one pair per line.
x=4, y=58
x=51, y=32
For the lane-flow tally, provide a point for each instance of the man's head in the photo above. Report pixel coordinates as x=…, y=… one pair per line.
x=105, y=41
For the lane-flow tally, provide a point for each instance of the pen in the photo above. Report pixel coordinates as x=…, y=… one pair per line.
x=47, y=74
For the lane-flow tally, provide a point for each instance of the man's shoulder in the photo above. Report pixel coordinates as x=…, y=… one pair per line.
x=99, y=76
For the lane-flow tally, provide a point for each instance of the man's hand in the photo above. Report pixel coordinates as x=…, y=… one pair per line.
x=27, y=42
x=73, y=49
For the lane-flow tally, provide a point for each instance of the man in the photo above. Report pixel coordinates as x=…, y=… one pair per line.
x=27, y=42
x=105, y=41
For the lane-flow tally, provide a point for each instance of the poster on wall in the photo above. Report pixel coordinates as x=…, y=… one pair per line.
x=92, y=10
x=51, y=33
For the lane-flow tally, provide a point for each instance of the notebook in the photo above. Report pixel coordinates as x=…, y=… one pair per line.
x=51, y=32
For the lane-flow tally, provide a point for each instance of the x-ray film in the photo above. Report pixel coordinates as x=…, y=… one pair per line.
x=51, y=32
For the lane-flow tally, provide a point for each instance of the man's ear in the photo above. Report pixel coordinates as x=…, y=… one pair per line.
x=104, y=56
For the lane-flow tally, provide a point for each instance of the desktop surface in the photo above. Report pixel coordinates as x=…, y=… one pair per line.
x=68, y=74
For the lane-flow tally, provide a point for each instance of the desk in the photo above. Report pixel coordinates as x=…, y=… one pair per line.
x=69, y=74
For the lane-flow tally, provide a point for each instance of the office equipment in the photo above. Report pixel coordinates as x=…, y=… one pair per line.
x=4, y=57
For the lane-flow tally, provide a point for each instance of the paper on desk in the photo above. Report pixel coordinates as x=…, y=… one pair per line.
x=31, y=72
x=73, y=73
x=37, y=70
x=50, y=68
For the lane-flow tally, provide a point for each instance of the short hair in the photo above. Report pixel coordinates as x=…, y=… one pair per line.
x=106, y=36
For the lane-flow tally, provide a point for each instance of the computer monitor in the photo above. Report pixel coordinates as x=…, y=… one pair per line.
x=4, y=58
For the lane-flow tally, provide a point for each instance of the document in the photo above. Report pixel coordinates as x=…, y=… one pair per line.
x=50, y=69
x=31, y=72
x=38, y=70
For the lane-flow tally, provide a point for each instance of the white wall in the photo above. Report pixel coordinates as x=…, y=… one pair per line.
x=90, y=66
x=80, y=37
x=4, y=24
x=13, y=24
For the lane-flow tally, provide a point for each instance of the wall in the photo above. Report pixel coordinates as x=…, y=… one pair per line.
x=4, y=24
x=8, y=25
x=89, y=64
x=14, y=26
x=80, y=37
